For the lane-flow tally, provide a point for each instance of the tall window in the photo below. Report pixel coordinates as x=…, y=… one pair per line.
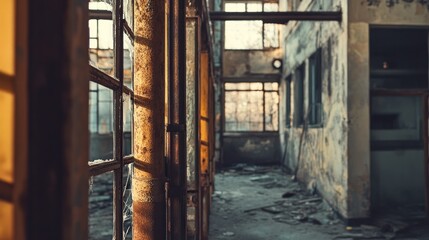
x=299, y=96
x=111, y=41
x=315, y=89
x=251, y=106
x=254, y=35
x=288, y=100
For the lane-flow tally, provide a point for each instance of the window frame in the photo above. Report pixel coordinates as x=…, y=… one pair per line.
x=246, y=2
x=288, y=100
x=264, y=91
x=299, y=96
x=315, y=90
x=115, y=83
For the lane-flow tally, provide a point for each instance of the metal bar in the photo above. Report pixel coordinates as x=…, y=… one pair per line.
x=177, y=167
x=197, y=126
x=276, y=17
x=100, y=14
x=254, y=78
x=118, y=124
x=393, y=92
x=101, y=78
x=20, y=188
x=98, y=169
x=128, y=30
x=128, y=159
x=426, y=145
x=127, y=90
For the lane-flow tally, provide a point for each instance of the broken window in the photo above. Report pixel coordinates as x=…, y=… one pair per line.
x=110, y=118
x=251, y=34
x=251, y=106
x=299, y=95
x=315, y=89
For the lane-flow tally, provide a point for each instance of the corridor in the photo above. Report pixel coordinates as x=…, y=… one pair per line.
x=214, y=119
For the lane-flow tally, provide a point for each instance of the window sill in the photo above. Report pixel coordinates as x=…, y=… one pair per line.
x=316, y=125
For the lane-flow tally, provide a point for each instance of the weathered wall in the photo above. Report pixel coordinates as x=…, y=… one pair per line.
x=363, y=15
x=242, y=63
x=252, y=148
x=319, y=154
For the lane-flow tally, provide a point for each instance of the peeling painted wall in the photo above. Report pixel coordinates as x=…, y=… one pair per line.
x=363, y=15
x=319, y=154
x=337, y=156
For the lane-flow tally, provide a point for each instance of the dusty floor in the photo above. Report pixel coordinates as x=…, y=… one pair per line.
x=264, y=203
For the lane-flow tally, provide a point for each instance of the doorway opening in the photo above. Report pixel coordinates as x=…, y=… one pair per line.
x=399, y=121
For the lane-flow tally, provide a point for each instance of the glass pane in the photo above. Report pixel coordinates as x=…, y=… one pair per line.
x=271, y=7
x=93, y=28
x=255, y=86
x=271, y=36
x=254, y=7
x=244, y=111
x=128, y=125
x=271, y=86
x=100, y=122
x=128, y=201
x=271, y=111
x=128, y=62
x=243, y=86
x=235, y=7
x=243, y=35
x=101, y=207
x=101, y=5
x=129, y=12
x=101, y=44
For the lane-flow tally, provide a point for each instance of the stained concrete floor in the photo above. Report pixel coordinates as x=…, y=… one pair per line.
x=264, y=203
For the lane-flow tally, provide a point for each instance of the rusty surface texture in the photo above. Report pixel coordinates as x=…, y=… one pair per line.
x=177, y=167
x=148, y=179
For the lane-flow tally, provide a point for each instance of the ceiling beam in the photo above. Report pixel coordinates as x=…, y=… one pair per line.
x=276, y=17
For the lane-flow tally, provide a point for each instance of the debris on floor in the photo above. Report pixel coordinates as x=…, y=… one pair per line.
x=263, y=202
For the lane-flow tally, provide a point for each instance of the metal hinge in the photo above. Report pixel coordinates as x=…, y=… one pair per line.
x=175, y=128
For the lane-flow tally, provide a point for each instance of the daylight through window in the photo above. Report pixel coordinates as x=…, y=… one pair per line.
x=251, y=106
x=250, y=35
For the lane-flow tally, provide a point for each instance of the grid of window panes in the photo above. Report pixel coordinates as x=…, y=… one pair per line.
x=248, y=35
x=251, y=106
x=111, y=97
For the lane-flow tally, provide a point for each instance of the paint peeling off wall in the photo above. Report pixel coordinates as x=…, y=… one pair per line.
x=319, y=153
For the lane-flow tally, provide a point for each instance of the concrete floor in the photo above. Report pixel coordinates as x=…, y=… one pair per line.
x=248, y=205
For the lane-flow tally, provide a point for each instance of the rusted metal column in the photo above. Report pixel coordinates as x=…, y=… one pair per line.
x=149, y=206
x=178, y=120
